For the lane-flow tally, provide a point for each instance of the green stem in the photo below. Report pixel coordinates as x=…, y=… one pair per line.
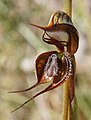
x=65, y=101
x=69, y=110
x=68, y=7
x=66, y=98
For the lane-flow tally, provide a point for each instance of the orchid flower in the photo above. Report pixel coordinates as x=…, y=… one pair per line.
x=56, y=66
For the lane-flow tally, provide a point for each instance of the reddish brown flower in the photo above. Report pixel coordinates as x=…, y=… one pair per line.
x=56, y=66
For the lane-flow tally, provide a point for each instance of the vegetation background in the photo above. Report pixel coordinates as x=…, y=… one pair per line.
x=20, y=44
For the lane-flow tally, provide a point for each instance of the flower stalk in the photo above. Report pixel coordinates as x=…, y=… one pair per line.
x=66, y=112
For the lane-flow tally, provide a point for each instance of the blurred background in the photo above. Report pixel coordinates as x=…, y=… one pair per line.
x=20, y=44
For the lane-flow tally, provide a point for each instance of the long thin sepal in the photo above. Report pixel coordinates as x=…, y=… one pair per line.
x=17, y=91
